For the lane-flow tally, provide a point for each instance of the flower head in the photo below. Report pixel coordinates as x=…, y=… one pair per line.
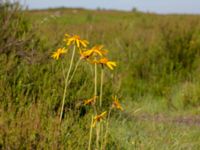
x=75, y=40
x=96, y=50
x=98, y=118
x=85, y=54
x=90, y=101
x=58, y=52
x=116, y=103
x=106, y=62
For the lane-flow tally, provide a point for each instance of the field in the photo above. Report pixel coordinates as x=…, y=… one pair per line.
x=157, y=80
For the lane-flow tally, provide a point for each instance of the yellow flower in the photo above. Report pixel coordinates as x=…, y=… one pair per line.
x=98, y=118
x=90, y=101
x=58, y=52
x=75, y=40
x=116, y=103
x=96, y=50
x=106, y=62
x=85, y=54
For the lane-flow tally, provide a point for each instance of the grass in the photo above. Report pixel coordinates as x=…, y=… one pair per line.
x=153, y=135
x=157, y=73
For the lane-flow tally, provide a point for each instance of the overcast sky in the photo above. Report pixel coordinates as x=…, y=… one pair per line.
x=158, y=6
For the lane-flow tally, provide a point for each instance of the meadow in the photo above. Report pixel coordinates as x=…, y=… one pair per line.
x=157, y=79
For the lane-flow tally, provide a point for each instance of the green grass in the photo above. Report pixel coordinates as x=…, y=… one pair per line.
x=153, y=135
x=157, y=73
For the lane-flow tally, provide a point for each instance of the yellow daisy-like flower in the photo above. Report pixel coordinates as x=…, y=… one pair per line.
x=116, y=104
x=96, y=50
x=85, y=54
x=90, y=101
x=58, y=52
x=98, y=118
x=75, y=40
x=106, y=62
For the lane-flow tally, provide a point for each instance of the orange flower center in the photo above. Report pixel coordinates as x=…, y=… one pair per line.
x=77, y=37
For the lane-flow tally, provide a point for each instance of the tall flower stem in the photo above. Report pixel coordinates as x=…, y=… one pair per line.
x=95, y=94
x=101, y=96
x=95, y=87
x=102, y=138
x=107, y=124
x=73, y=73
x=101, y=86
x=66, y=83
x=95, y=79
x=97, y=135
x=90, y=139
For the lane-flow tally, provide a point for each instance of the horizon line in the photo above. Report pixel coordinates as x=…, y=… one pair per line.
x=114, y=9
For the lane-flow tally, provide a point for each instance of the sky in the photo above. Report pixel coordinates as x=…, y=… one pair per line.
x=157, y=6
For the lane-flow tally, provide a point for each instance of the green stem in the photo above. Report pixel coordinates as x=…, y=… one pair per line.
x=102, y=130
x=90, y=139
x=95, y=79
x=101, y=86
x=72, y=76
x=66, y=83
x=95, y=87
x=101, y=96
x=95, y=94
x=107, y=124
x=98, y=134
